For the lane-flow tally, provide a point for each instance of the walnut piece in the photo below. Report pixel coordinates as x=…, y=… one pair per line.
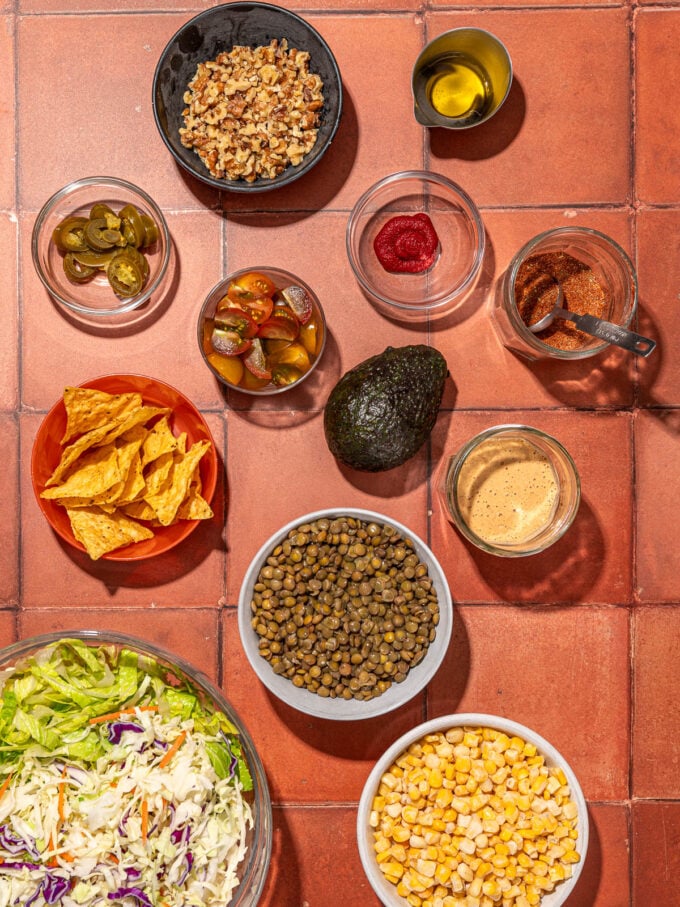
x=253, y=112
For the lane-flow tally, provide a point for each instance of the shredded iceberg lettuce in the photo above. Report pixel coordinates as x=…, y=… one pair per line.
x=117, y=784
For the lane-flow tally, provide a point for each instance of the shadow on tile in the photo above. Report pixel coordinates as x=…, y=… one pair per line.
x=589, y=882
x=487, y=140
x=563, y=574
x=129, y=323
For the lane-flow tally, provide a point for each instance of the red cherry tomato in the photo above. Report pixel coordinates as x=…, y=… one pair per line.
x=252, y=285
x=256, y=361
x=237, y=320
x=282, y=325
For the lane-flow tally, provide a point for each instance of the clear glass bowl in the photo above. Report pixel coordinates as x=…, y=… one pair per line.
x=313, y=343
x=434, y=292
x=96, y=297
x=611, y=268
x=536, y=504
x=254, y=867
x=338, y=708
x=384, y=889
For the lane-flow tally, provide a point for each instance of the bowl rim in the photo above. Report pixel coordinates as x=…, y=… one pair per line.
x=259, y=857
x=265, y=391
x=508, y=290
x=444, y=722
x=115, y=182
x=241, y=185
x=341, y=709
x=426, y=176
x=188, y=526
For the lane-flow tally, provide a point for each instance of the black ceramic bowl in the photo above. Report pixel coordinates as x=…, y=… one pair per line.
x=219, y=29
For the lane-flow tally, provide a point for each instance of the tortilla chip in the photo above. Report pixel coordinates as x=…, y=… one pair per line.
x=134, y=484
x=157, y=475
x=159, y=440
x=136, y=417
x=101, y=533
x=168, y=501
x=87, y=408
x=139, y=510
x=73, y=451
x=194, y=507
x=97, y=471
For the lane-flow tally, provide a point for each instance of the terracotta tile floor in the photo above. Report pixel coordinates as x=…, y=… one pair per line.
x=581, y=642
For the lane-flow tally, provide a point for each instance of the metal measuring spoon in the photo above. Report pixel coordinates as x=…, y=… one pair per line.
x=596, y=327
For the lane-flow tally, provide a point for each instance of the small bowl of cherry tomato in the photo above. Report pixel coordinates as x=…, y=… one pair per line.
x=261, y=330
x=101, y=246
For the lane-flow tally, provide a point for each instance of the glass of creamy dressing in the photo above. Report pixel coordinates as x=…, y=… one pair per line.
x=511, y=490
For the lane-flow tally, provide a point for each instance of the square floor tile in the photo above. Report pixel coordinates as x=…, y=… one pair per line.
x=593, y=561
x=9, y=306
x=657, y=465
x=656, y=720
x=8, y=633
x=604, y=879
x=484, y=373
x=551, y=670
x=539, y=147
x=659, y=282
x=7, y=125
x=656, y=852
x=9, y=495
x=657, y=106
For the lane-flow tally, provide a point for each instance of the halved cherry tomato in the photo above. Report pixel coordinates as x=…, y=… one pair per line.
x=256, y=361
x=228, y=342
x=250, y=382
x=310, y=336
x=228, y=367
x=283, y=375
x=296, y=355
x=299, y=301
x=251, y=285
x=258, y=309
x=281, y=325
x=236, y=320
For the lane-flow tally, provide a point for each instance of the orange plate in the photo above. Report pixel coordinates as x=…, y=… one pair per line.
x=47, y=450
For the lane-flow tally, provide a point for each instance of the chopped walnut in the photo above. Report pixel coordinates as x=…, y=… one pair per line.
x=252, y=112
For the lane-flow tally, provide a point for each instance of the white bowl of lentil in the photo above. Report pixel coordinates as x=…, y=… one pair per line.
x=345, y=614
x=479, y=805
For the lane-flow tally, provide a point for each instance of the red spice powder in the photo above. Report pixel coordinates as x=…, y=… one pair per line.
x=536, y=294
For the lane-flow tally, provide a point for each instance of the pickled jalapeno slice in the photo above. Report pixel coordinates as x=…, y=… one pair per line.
x=150, y=229
x=125, y=274
x=133, y=226
x=76, y=271
x=69, y=235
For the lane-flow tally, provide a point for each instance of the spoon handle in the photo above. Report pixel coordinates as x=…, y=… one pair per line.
x=612, y=333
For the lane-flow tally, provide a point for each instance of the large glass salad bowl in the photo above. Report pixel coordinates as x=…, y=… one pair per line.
x=125, y=778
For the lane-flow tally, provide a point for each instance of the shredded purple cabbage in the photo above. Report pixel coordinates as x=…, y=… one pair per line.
x=21, y=864
x=180, y=835
x=188, y=863
x=116, y=729
x=54, y=888
x=233, y=761
x=14, y=843
x=131, y=892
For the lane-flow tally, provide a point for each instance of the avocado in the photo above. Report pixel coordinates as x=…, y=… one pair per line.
x=382, y=411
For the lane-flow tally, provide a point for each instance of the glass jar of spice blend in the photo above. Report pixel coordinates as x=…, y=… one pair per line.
x=596, y=277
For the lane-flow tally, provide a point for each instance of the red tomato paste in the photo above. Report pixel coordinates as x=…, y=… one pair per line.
x=407, y=244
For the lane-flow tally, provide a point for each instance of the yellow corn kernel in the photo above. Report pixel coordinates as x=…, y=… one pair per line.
x=400, y=834
x=475, y=888
x=483, y=869
x=443, y=798
x=465, y=872
x=442, y=873
x=505, y=834
x=571, y=856
x=392, y=869
x=435, y=778
x=524, y=860
x=491, y=889
x=414, y=900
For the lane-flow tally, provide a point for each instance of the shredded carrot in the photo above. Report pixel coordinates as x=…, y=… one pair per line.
x=60, y=801
x=177, y=742
x=68, y=857
x=5, y=784
x=51, y=846
x=111, y=716
x=145, y=819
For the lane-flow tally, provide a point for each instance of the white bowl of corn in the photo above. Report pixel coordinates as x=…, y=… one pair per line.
x=472, y=810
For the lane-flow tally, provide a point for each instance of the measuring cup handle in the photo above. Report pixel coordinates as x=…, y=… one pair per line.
x=612, y=333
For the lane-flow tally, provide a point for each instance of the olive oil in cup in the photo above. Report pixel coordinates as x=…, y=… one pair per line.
x=461, y=79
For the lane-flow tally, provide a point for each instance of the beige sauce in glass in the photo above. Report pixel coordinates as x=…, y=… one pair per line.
x=507, y=491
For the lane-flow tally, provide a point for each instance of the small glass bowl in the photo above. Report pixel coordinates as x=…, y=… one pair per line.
x=96, y=297
x=613, y=271
x=313, y=341
x=430, y=293
x=253, y=869
x=546, y=504
x=385, y=889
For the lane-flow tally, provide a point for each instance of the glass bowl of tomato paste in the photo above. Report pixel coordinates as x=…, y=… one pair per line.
x=415, y=241
x=261, y=330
